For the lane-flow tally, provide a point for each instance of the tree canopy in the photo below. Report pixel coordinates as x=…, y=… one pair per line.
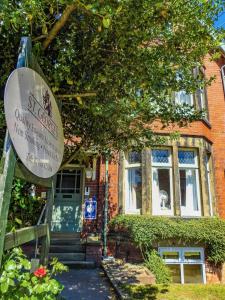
x=125, y=56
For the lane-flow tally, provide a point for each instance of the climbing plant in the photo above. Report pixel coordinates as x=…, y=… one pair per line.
x=128, y=56
x=146, y=232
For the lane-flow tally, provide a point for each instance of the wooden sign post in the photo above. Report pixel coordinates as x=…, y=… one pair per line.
x=10, y=169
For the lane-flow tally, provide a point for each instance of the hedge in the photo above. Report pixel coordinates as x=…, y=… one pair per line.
x=144, y=231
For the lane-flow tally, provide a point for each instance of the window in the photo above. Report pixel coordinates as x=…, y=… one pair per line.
x=162, y=186
x=223, y=76
x=187, y=265
x=189, y=183
x=68, y=182
x=182, y=97
x=133, y=183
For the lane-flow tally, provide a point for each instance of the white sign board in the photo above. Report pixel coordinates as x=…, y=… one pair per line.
x=34, y=122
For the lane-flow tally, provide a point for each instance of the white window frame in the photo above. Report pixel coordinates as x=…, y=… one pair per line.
x=181, y=260
x=128, y=209
x=156, y=209
x=189, y=211
x=223, y=76
x=177, y=99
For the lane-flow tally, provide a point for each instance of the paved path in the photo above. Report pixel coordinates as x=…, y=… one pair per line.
x=86, y=284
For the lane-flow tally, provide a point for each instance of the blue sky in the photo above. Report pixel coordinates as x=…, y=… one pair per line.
x=221, y=20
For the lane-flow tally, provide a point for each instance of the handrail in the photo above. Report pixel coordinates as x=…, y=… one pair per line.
x=38, y=223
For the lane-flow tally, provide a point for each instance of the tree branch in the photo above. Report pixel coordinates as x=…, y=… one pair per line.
x=58, y=25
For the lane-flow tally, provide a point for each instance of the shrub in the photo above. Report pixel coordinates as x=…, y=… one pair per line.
x=157, y=266
x=17, y=282
x=24, y=209
x=144, y=231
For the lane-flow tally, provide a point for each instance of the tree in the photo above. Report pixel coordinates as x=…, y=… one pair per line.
x=127, y=56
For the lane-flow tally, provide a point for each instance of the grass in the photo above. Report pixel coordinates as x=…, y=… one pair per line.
x=176, y=292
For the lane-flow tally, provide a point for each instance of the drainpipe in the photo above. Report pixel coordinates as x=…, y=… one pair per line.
x=106, y=208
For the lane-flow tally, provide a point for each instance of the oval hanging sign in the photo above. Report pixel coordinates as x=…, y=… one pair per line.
x=34, y=122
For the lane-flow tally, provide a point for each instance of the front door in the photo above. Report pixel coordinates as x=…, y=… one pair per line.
x=67, y=208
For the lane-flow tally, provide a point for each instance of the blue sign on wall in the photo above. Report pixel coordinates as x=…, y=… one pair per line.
x=90, y=208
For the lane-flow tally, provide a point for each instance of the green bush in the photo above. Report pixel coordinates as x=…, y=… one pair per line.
x=157, y=266
x=18, y=282
x=144, y=231
x=24, y=209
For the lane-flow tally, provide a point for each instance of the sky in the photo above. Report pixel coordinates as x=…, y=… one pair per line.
x=221, y=20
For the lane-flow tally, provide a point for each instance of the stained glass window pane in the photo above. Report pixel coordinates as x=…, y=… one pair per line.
x=186, y=157
x=160, y=156
x=134, y=157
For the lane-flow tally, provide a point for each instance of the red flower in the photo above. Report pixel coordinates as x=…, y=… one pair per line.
x=41, y=272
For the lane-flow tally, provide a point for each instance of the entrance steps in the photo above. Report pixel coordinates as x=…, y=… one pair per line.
x=70, y=250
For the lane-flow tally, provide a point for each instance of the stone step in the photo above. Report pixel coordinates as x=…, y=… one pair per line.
x=63, y=256
x=79, y=264
x=71, y=241
x=65, y=235
x=60, y=248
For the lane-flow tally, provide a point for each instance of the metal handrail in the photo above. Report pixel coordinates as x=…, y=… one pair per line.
x=38, y=223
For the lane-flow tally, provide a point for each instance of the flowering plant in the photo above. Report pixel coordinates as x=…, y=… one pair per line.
x=17, y=282
x=41, y=272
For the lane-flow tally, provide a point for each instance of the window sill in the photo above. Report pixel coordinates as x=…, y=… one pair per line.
x=207, y=123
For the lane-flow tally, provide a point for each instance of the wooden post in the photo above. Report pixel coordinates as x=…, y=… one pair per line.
x=9, y=159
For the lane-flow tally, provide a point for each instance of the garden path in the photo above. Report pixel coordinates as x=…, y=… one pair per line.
x=86, y=284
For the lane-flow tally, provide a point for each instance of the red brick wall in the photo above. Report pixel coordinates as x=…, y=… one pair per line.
x=215, y=135
x=97, y=188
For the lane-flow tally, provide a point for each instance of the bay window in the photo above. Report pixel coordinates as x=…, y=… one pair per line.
x=162, y=183
x=189, y=183
x=133, y=183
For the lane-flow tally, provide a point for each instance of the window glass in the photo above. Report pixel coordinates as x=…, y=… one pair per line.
x=134, y=188
x=193, y=273
x=192, y=255
x=134, y=157
x=170, y=255
x=188, y=189
x=162, y=181
x=162, y=202
x=160, y=156
x=182, y=97
x=175, y=272
x=186, y=157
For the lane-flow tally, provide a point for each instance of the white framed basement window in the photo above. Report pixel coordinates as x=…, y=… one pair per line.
x=187, y=264
x=182, y=97
x=133, y=183
x=189, y=183
x=162, y=182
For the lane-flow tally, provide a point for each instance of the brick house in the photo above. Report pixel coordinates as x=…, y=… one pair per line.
x=183, y=178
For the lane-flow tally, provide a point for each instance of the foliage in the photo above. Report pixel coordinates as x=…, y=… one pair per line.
x=146, y=231
x=130, y=54
x=157, y=266
x=24, y=209
x=176, y=291
x=2, y=127
x=17, y=282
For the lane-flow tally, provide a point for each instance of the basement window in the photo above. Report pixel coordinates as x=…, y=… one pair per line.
x=187, y=264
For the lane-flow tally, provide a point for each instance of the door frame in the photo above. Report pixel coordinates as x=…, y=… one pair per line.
x=82, y=168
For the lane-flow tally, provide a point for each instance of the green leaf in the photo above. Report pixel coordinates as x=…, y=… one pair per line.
x=106, y=22
x=4, y=287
